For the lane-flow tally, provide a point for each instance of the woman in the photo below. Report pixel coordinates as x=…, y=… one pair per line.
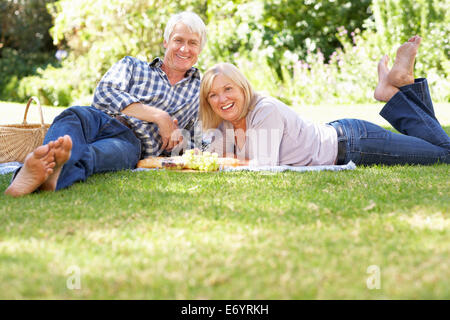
x=264, y=131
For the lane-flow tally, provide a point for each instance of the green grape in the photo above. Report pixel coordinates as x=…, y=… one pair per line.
x=196, y=160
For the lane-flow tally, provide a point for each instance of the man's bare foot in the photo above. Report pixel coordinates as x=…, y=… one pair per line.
x=402, y=72
x=384, y=90
x=38, y=166
x=62, y=150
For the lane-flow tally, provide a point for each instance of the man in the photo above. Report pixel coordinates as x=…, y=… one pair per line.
x=137, y=111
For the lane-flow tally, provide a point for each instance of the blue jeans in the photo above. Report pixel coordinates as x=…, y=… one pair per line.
x=100, y=144
x=410, y=111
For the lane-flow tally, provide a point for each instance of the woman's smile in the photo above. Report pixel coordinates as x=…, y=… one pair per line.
x=226, y=98
x=228, y=106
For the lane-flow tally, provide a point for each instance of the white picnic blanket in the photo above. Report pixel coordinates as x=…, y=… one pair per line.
x=9, y=167
x=348, y=166
x=12, y=166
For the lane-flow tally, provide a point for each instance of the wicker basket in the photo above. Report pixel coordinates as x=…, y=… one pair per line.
x=18, y=140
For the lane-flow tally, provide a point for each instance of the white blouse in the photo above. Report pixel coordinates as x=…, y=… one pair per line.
x=276, y=135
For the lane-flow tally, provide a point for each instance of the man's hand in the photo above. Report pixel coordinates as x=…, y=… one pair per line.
x=168, y=127
x=168, y=130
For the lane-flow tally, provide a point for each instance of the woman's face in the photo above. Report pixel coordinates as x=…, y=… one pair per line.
x=226, y=98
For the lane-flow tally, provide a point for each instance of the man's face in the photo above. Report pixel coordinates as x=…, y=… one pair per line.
x=182, y=49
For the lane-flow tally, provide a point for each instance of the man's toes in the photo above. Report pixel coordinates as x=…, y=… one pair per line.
x=41, y=151
x=48, y=162
x=67, y=142
x=58, y=142
x=51, y=164
x=49, y=157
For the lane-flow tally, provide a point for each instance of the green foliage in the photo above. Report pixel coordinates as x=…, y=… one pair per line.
x=303, y=26
x=96, y=41
x=234, y=28
x=348, y=75
x=394, y=21
x=15, y=65
x=113, y=28
x=25, y=44
x=277, y=26
x=98, y=34
x=24, y=25
x=298, y=51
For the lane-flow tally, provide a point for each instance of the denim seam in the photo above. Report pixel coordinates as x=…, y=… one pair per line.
x=421, y=113
x=387, y=109
x=395, y=155
x=418, y=112
x=422, y=91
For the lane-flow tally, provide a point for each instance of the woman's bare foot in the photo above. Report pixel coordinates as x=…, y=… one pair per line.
x=384, y=90
x=62, y=150
x=402, y=72
x=38, y=166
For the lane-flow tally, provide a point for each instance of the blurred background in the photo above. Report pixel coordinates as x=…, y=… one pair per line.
x=304, y=52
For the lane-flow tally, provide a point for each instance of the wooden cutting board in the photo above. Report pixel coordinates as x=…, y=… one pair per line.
x=155, y=162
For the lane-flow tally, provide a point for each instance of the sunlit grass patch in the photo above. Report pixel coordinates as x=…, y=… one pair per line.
x=169, y=235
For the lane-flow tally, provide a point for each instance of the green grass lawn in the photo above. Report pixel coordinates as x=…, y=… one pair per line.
x=170, y=235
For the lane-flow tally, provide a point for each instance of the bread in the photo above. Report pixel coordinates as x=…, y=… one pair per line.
x=178, y=162
x=151, y=162
x=228, y=162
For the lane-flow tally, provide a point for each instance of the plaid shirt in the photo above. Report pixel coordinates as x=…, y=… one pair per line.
x=131, y=80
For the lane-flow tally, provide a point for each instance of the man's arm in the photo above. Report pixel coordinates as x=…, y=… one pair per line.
x=111, y=94
x=168, y=127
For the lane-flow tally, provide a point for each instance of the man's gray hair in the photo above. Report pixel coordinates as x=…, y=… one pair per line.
x=190, y=20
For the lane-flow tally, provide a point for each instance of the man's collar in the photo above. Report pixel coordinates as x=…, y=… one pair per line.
x=192, y=72
x=156, y=63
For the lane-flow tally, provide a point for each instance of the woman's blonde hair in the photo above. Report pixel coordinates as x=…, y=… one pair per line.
x=209, y=119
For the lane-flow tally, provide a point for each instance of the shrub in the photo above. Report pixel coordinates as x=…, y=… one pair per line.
x=284, y=47
x=25, y=44
x=394, y=21
x=348, y=76
x=24, y=25
x=15, y=65
x=96, y=41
